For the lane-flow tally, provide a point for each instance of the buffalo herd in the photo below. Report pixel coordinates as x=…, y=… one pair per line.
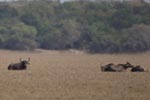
x=22, y=65
x=121, y=68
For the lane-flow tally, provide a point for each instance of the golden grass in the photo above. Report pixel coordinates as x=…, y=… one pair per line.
x=55, y=75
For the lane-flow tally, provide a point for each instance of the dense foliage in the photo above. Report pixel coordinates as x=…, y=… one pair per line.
x=95, y=27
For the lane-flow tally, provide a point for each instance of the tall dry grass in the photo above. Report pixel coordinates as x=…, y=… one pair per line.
x=55, y=75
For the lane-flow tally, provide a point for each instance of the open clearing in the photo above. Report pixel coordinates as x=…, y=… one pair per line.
x=69, y=75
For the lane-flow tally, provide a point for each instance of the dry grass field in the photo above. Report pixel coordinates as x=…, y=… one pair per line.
x=69, y=75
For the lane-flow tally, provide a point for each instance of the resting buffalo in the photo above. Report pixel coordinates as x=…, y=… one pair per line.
x=137, y=69
x=19, y=66
x=116, y=68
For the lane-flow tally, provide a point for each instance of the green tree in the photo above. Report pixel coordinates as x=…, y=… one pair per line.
x=7, y=11
x=19, y=37
x=123, y=17
x=137, y=39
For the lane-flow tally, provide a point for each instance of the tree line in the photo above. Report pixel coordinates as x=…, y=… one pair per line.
x=97, y=27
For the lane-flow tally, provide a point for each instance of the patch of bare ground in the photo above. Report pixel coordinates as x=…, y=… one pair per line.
x=57, y=75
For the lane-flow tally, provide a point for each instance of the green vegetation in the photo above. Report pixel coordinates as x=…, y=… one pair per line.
x=95, y=27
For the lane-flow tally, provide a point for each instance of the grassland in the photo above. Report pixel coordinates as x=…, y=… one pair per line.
x=55, y=75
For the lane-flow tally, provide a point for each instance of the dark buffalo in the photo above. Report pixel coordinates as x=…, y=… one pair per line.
x=107, y=67
x=116, y=68
x=19, y=66
x=137, y=69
